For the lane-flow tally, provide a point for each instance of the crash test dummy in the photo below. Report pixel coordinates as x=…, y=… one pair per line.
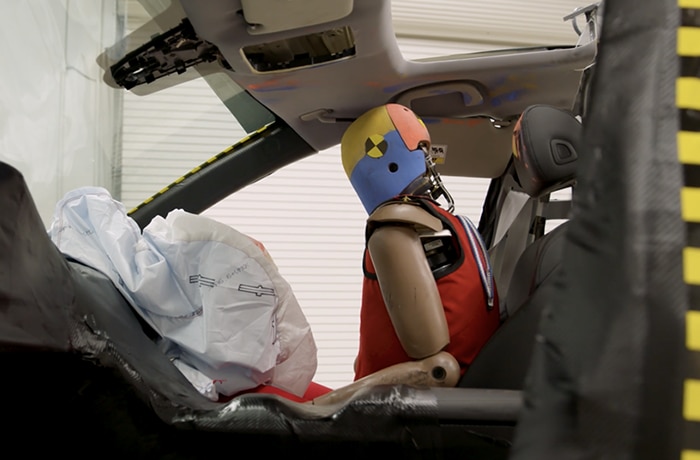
x=429, y=301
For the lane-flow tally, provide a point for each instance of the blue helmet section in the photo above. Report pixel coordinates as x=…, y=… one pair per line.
x=376, y=180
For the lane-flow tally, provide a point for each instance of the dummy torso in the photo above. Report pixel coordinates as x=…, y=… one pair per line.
x=471, y=320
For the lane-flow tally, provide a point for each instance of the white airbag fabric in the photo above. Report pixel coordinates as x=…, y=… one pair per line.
x=229, y=321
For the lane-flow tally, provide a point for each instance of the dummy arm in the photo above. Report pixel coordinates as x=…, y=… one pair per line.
x=440, y=370
x=409, y=290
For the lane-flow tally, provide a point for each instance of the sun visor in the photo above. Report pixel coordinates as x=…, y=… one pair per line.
x=469, y=147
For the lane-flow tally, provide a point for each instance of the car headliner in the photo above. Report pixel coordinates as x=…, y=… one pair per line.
x=459, y=97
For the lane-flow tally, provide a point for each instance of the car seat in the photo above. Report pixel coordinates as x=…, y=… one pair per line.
x=527, y=260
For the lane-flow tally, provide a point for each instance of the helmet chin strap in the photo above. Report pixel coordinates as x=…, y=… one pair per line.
x=419, y=186
x=430, y=184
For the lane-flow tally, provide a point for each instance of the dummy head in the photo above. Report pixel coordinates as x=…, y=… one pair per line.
x=385, y=154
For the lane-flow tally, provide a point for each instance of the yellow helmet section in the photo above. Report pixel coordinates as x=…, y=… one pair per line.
x=373, y=124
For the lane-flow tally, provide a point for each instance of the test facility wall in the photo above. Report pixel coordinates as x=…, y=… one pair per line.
x=59, y=123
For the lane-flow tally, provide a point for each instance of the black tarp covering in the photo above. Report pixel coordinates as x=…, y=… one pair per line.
x=28, y=313
x=606, y=378
x=82, y=374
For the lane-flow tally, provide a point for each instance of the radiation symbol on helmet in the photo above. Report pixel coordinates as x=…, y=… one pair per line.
x=375, y=146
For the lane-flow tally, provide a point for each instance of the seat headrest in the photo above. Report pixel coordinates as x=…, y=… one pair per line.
x=546, y=143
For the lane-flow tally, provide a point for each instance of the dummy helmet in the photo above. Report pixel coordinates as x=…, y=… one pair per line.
x=385, y=153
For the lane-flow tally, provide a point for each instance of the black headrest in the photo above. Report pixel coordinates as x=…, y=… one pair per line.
x=545, y=148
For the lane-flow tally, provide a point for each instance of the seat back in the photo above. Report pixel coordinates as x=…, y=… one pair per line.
x=525, y=258
x=545, y=142
x=503, y=361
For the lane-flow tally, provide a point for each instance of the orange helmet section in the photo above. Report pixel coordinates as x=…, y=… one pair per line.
x=411, y=128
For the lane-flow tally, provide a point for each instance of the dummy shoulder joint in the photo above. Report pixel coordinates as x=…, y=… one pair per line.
x=405, y=213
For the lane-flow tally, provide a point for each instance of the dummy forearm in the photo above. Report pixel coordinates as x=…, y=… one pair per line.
x=440, y=370
x=409, y=290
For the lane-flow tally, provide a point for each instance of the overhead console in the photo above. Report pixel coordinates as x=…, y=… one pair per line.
x=302, y=51
x=269, y=16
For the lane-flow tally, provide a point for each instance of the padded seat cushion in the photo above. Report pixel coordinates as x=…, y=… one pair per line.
x=503, y=362
x=535, y=266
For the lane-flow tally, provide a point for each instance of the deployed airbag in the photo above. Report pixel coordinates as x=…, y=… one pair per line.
x=227, y=318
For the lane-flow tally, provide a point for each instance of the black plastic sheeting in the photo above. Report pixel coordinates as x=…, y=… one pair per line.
x=606, y=378
x=82, y=372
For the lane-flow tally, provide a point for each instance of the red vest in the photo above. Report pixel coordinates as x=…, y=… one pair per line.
x=471, y=321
